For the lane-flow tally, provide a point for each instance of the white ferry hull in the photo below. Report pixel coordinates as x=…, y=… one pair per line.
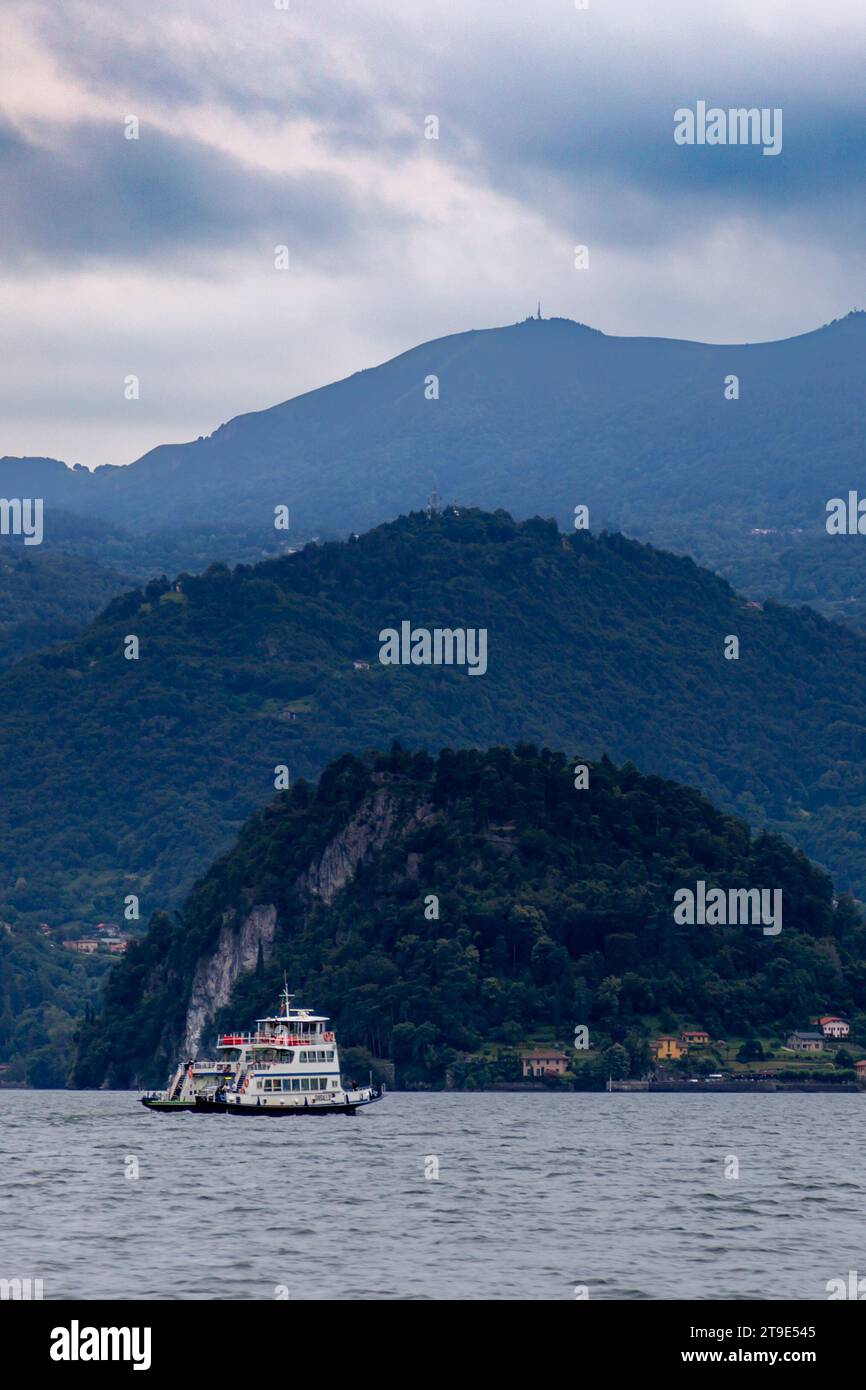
x=239, y=1105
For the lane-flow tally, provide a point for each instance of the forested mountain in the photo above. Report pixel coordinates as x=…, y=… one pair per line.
x=127, y=776
x=435, y=906
x=47, y=596
x=538, y=417
x=45, y=991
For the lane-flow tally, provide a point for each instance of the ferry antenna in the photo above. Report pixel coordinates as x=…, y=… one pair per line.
x=286, y=997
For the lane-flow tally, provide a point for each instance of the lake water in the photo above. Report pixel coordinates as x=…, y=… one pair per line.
x=537, y=1194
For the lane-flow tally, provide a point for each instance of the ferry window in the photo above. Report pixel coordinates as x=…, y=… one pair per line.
x=303, y=1057
x=296, y=1085
x=305, y=1083
x=329, y=1056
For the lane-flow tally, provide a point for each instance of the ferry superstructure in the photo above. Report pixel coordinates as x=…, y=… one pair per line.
x=290, y=1065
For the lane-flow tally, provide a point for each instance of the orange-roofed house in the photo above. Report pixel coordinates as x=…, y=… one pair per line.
x=545, y=1063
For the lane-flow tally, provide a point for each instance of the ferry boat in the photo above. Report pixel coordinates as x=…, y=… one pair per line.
x=290, y=1065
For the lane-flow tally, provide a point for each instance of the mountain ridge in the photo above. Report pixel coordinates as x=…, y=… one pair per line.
x=855, y=318
x=129, y=777
x=539, y=417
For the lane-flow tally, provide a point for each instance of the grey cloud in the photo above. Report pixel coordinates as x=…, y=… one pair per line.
x=86, y=192
x=570, y=120
x=276, y=67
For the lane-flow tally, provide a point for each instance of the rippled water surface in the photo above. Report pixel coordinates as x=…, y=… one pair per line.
x=537, y=1193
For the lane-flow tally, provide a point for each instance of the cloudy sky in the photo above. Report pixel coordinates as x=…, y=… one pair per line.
x=305, y=127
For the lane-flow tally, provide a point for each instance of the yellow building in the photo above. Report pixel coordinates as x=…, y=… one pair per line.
x=667, y=1049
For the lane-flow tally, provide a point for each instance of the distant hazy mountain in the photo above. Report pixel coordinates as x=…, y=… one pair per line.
x=538, y=418
x=141, y=555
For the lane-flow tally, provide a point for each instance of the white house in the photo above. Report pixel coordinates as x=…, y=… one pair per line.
x=833, y=1027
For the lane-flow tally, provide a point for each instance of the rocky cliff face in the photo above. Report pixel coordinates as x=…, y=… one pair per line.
x=372, y=824
x=379, y=817
x=215, y=977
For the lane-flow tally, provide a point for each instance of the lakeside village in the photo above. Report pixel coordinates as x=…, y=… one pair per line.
x=824, y=1056
x=827, y=1055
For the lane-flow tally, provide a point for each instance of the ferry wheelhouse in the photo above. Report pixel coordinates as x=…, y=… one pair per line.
x=290, y=1065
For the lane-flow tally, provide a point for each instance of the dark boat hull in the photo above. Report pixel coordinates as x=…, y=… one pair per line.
x=348, y=1108
x=177, y=1107
x=168, y=1107
x=201, y=1106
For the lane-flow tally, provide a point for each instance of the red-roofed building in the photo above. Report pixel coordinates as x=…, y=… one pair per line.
x=834, y=1027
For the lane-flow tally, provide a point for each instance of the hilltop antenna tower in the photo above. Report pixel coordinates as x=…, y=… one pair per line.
x=433, y=508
